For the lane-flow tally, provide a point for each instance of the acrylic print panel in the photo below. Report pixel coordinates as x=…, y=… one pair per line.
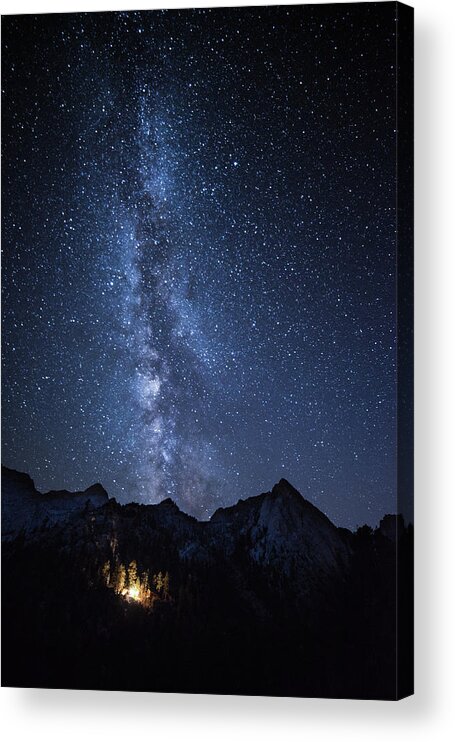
x=207, y=351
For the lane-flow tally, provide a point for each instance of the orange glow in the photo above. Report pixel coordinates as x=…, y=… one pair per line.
x=133, y=593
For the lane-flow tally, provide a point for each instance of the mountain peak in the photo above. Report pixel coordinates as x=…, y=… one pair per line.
x=284, y=483
x=96, y=489
x=24, y=508
x=283, y=487
x=168, y=502
x=19, y=477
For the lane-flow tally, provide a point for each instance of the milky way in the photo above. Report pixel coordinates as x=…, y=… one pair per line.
x=199, y=254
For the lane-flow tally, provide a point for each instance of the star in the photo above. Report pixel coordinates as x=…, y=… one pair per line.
x=199, y=254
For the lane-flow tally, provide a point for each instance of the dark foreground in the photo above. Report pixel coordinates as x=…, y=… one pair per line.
x=268, y=598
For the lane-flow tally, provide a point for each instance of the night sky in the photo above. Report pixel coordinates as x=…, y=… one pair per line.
x=199, y=254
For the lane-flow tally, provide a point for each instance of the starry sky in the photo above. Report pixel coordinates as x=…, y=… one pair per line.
x=199, y=254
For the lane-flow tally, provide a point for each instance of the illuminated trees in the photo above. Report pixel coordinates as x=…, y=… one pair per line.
x=144, y=588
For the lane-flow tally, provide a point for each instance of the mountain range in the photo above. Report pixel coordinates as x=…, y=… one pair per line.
x=268, y=597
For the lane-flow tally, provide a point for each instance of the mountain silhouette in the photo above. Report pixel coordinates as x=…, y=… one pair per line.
x=268, y=597
x=24, y=508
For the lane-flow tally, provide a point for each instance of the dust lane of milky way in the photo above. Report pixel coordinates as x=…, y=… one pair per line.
x=199, y=254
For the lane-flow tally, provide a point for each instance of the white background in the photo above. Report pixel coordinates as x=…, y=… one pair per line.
x=79, y=715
